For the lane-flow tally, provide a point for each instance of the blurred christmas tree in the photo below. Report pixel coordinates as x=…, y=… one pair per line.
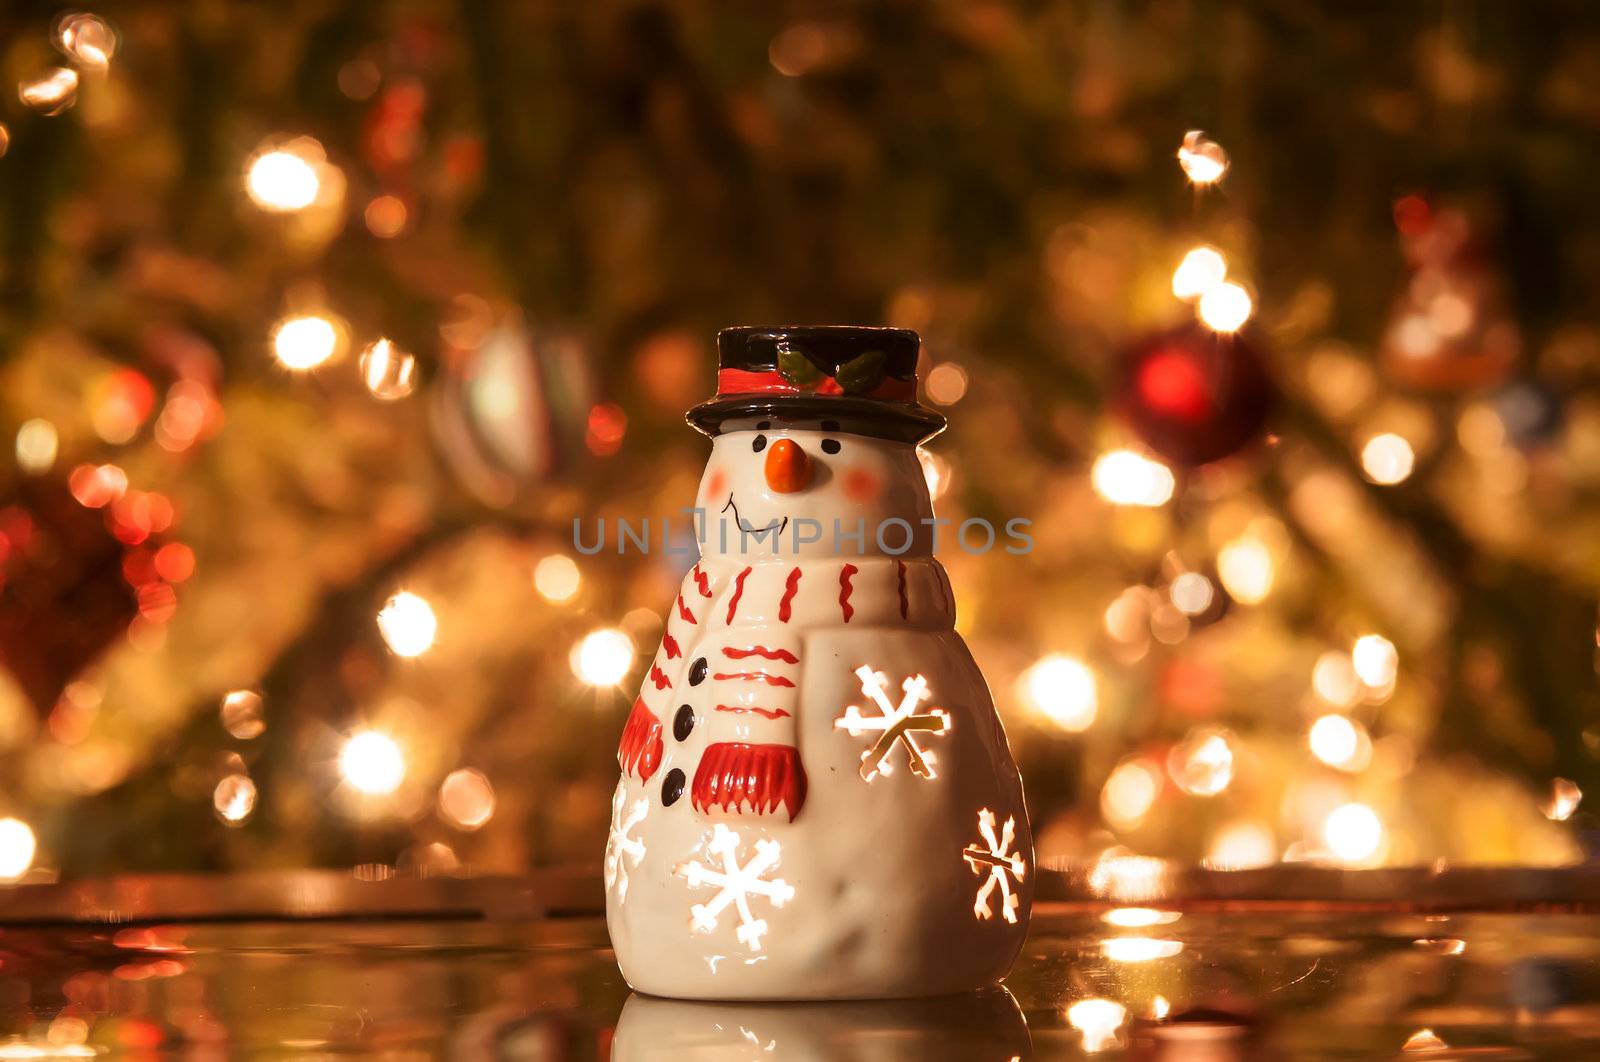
x=323, y=321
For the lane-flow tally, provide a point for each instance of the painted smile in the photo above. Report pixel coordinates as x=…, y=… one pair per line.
x=745, y=525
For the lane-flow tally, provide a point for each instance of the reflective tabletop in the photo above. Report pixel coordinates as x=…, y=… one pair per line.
x=1408, y=967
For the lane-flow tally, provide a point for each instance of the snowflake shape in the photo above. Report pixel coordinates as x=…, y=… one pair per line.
x=899, y=723
x=623, y=850
x=1002, y=866
x=736, y=884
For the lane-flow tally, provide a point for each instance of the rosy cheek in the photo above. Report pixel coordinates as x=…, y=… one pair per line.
x=716, y=484
x=860, y=485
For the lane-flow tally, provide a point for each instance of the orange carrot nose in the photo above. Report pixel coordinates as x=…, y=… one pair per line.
x=788, y=467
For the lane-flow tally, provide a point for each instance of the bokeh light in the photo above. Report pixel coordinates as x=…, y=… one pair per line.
x=1353, y=833
x=17, y=848
x=1225, y=307
x=1564, y=798
x=234, y=799
x=372, y=763
x=1246, y=569
x=408, y=624
x=1375, y=660
x=1202, y=269
x=304, y=342
x=1062, y=689
x=1387, y=459
x=52, y=92
x=1192, y=593
x=1123, y=477
x=37, y=446
x=389, y=372
x=1334, y=740
x=241, y=714
x=1202, y=764
x=1242, y=846
x=1097, y=1020
x=1334, y=679
x=466, y=799
x=946, y=383
x=603, y=657
x=557, y=578
x=285, y=179
x=1203, y=160
x=1129, y=793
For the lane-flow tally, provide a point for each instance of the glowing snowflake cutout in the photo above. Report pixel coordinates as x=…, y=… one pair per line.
x=623, y=851
x=899, y=724
x=736, y=884
x=1000, y=865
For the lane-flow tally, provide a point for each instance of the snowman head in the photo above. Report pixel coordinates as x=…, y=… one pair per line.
x=814, y=451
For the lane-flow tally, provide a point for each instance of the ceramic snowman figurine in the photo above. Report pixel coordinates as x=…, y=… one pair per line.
x=817, y=798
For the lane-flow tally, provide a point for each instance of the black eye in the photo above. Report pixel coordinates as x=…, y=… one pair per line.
x=830, y=446
x=759, y=443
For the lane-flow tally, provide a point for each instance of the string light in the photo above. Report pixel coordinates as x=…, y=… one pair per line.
x=1353, y=833
x=304, y=342
x=408, y=624
x=388, y=372
x=37, y=446
x=17, y=848
x=1375, y=660
x=1387, y=459
x=234, y=799
x=372, y=763
x=557, y=578
x=51, y=93
x=1202, y=269
x=1062, y=689
x=1123, y=477
x=466, y=798
x=1225, y=307
x=1203, y=160
x=603, y=657
x=1246, y=569
x=285, y=179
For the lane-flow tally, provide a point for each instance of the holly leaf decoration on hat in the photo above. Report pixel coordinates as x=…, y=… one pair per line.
x=861, y=374
x=798, y=369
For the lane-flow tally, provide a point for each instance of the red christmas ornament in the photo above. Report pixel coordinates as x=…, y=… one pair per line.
x=1194, y=395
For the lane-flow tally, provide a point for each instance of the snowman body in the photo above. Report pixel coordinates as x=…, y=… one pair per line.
x=817, y=801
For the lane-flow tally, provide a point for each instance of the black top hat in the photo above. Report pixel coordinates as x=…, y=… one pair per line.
x=863, y=379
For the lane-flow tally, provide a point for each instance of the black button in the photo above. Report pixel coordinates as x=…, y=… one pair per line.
x=683, y=723
x=830, y=446
x=672, y=787
x=697, y=671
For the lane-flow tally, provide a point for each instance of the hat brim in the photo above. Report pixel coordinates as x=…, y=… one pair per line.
x=898, y=421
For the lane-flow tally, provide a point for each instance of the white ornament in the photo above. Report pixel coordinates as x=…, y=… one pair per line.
x=736, y=884
x=899, y=724
x=623, y=850
x=1002, y=864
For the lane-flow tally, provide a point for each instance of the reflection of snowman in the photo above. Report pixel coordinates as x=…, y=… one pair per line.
x=974, y=1027
x=817, y=799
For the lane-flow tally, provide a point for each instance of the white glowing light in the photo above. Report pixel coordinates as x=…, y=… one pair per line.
x=17, y=848
x=898, y=724
x=1425, y=1041
x=1353, y=833
x=1123, y=477
x=1201, y=270
x=408, y=624
x=1203, y=160
x=285, y=179
x=1000, y=865
x=603, y=657
x=1242, y=846
x=735, y=885
x=1565, y=796
x=371, y=761
x=1192, y=593
x=1225, y=307
x=304, y=342
x=52, y=92
x=1120, y=875
x=1335, y=740
x=1062, y=689
x=623, y=850
x=1098, y=1020
x=1387, y=459
x=557, y=578
x=466, y=798
x=36, y=446
x=1246, y=569
x=1334, y=679
x=234, y=799
x=1138, y=917
x=1129, y=793
x=1139, y=949
x=1203, y=764
x=389, y=372
x=87, y=38
x=1375, y=660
